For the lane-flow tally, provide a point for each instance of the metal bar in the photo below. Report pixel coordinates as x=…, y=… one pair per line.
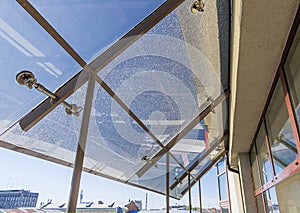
x=57, y=37
x=291, y=169
x=81, y=144
x=167, y=183
x=184, y=131
x=204, y=171
x=228, y=188
x=23, y=150
x=99, y=63
x=279, y=161
x=47, y=106
x=133, y=116
x=290, y=109
x=288, y=145
x=196, y=163
x=200, y=197
x=47, y=92
x=190, y=193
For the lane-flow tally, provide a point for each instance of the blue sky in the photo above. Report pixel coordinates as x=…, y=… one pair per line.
x=52, y=181
x=25, y=45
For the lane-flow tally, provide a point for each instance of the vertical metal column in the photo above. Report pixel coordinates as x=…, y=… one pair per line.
x=81, y=145
x=167, y=182
x=200, y=196
x=190, y=193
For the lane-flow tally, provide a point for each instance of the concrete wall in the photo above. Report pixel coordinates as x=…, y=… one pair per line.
x=235, y=193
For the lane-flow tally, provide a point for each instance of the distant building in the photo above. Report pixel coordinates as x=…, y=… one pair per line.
x=10, y=199
x=139, y=204
x=132, y=207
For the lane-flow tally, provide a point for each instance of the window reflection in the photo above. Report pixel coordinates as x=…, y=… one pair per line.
x=263, y=156
x=280, y=132
x=254, y=168
x=292, y=69
x=260, y=204
x=272, y=203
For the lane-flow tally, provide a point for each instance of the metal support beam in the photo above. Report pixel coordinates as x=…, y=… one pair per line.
x=185, y=130
x=200, y=197
x=190, y=193
x=167, y=183
x=214, y=161
x=81, y=145
x=138, y=121
x=199, y=160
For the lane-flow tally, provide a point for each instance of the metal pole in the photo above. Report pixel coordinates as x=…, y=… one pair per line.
x=190, y=194
x=200, y=196
x=167, y=183
x=81, y=145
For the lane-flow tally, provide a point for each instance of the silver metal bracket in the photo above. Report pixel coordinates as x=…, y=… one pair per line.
x=212, y=103
x=27, y=78
x=198, y=6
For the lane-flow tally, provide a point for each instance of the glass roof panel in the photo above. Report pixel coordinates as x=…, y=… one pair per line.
x=170, y=74
x=110, y=150
x=202, y=137
x=54, y=138
x=25, y=45
x=203, y=167
x=166, y=78
x=155, y=177
x=90, y=26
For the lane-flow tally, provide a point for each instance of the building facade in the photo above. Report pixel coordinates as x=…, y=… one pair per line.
x=10, y=199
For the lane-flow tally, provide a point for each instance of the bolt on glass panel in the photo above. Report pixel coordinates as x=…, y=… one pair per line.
x=264, y=159
x=292, y=69
x=280, y=132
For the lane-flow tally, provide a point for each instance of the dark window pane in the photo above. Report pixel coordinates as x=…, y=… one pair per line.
x=280, y=132
x=254, y=168
x=225, y=210
x=260, y=204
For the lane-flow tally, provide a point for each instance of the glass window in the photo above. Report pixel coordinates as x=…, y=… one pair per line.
x=280, y=132
x=271, y=198
x=263, y=156
x=260, y=204
x=209, y=189
x=221, y=166
x=254, y=168
x=292, y=68
x=225, y=210
x=223, y=187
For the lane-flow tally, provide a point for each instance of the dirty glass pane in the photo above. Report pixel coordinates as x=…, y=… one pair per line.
x=165, y=77
x=26, y=46
x=110, y=149
x=54, y=138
